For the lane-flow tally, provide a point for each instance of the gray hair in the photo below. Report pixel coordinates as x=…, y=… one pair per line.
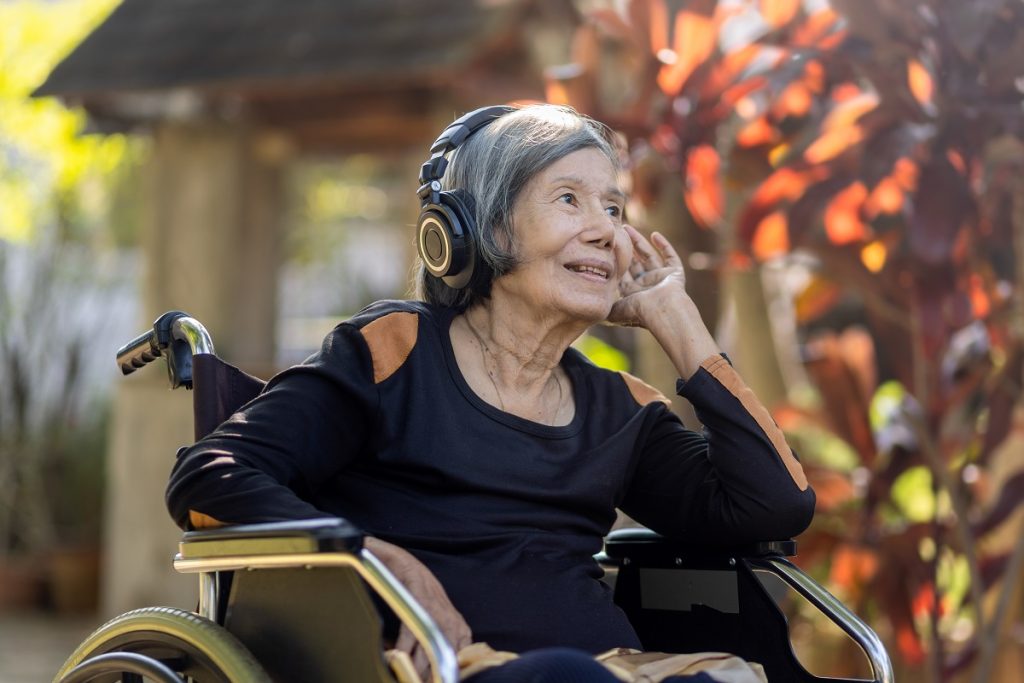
x=494, y=165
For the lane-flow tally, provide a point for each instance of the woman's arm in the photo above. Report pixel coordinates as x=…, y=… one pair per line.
x=741, y=481
x=429, y=592
x=264, y=463
x=737, y=482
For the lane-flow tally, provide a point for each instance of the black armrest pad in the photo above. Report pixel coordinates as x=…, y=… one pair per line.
x=327, y=534
x=642, y=544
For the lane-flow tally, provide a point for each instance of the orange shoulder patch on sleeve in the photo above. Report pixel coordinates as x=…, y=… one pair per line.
x=643, y=393
x=723, y=372
x=390, y=338
x=201, y=521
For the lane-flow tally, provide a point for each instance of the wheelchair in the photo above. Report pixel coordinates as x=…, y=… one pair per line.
x=301, y=601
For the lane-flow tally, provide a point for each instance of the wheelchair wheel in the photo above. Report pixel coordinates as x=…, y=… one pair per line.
x=154, y=641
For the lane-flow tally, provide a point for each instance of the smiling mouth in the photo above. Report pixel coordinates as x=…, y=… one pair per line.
x=592, y=270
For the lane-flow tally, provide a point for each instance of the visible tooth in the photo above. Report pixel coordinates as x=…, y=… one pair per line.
x=589, y=269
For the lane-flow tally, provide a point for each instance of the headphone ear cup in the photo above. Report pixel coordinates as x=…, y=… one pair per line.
x=444, y=238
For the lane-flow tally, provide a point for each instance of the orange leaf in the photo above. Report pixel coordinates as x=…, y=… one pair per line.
x=922, y=86
x=852, y=567
x=905, y=172
x=832, y=40
x=980, y=303
x=814, y=76
x=658, y=25
x=814, y=28
x=831, y=489
x=924, y=600
x=783, y=184
x=794, y=100
x=886, y=197
x=732, y=95
x=909, y=644
x=957, y=159
x=842, y=216
x=725, y=71
x=778, y=13
x=874, y=255
x=738, y=261
x=736, y=61
x=817, y=298
x=569, y=84
x=848, y=111
x=846, y=91
x=757, y=132
x=703, y=192
x=840, y=131
x=832, y=144
x=695, y=38
x=555, y=91
x=771, y=238
x=746, y=108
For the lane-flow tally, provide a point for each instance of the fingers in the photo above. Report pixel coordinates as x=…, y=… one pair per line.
x=651, y=254
x=645, y=256
x=406, y=641
x=463, y=636
x=458, y=635
x=668, y=253
x=422, y=663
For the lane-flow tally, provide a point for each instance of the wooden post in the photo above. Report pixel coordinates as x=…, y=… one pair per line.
x=211, y=248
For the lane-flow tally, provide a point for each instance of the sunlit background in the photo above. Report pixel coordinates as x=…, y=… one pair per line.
x=844, y=179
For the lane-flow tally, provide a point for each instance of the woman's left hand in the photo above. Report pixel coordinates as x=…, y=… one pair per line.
x=655, y=276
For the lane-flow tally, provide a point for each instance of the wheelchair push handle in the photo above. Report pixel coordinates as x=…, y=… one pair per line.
x=176, y=336
x=138, y=353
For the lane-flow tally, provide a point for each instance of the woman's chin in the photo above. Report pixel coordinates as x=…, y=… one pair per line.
x=591, y=312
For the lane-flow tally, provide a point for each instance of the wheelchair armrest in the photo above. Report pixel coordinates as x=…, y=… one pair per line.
x=309, y=544
x=718, y=582
x=328, y=534
x=647, y=547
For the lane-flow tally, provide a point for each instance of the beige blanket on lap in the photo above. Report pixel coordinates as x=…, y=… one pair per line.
x=630, y=666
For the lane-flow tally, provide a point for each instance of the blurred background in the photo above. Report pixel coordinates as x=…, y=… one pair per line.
x=843, y=177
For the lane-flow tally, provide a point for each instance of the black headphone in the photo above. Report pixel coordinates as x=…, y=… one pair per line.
x=446, y=229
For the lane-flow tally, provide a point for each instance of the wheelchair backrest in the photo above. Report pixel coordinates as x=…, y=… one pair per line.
x=219, y=389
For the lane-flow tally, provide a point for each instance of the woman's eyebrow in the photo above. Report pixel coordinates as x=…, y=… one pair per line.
x=616, y=194
x=613, y=192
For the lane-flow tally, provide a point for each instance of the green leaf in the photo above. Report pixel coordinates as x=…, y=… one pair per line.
x=913, y=496
x=602, y=354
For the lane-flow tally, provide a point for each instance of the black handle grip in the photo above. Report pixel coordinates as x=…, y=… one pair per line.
x=138, y=352
x=160, y=341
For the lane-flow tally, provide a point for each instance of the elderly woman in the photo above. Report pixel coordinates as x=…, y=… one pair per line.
x=483, y=456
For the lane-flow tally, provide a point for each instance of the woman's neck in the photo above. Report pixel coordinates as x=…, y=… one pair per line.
x=512, y=362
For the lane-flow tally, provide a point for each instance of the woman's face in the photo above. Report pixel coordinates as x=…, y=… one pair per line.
x=571, y=245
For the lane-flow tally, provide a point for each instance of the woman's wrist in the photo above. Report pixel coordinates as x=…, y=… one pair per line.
x=677, y=326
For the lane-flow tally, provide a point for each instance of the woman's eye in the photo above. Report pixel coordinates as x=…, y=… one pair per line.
x=568, y=198
x=614, y=211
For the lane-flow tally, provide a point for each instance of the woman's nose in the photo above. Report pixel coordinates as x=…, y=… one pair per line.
x=601, y=227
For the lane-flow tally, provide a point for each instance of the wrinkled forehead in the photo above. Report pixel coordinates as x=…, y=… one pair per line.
x=588, y=169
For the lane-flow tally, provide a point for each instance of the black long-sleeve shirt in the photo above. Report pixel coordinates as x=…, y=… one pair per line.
x=381, y=427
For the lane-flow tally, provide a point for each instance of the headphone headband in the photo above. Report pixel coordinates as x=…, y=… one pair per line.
x=445, y=230
x=454, y=135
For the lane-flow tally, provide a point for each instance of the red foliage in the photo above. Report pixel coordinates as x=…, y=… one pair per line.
x=846, y=143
